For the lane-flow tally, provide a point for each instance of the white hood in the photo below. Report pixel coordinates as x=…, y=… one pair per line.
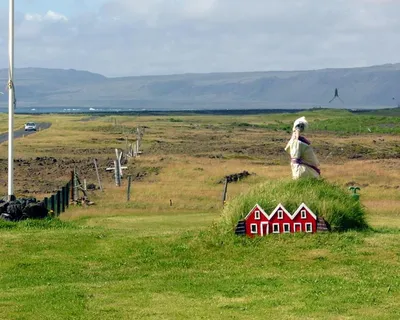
x=300, y=120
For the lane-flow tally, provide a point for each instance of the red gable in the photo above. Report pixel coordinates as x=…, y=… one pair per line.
x=304, y=211
x=304, y=220
x=257, y=212
x=256, y=221
x=280, y=220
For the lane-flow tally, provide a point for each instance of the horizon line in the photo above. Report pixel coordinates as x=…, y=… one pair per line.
x=208, y=73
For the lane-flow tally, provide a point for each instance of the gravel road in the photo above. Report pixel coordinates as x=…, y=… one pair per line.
x=21, y=132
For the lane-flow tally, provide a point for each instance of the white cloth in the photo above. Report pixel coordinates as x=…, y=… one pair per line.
x=303, y=152
x=304, y=162
x=298, y=121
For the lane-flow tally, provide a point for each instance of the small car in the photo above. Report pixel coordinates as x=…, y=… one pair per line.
x=30, y=126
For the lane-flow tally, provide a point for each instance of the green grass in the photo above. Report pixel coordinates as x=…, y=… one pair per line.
x=337, y=121
x=102, y=273
x=330, y=201
x=148, y=260
x=37, y=224
x=359, y=124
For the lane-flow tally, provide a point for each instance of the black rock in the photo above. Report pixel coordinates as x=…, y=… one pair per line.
x=14, y=210
x=91, y=186
x=6, y=217
x=35, y=211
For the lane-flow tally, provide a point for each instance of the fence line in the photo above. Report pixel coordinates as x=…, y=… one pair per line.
x=59, y=201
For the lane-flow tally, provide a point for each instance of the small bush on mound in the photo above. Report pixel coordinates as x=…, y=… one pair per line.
x=334, y=203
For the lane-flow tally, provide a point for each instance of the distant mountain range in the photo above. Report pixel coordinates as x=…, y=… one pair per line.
x=376, y=86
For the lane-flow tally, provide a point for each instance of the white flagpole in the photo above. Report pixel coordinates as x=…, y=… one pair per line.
x=11, y=104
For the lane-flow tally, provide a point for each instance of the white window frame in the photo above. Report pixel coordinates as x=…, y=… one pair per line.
x=257, y=215
x=280, y=214
x=255, y=231
x=284, y=229
x=309, y=224
x=303, y=214
x=273, y=228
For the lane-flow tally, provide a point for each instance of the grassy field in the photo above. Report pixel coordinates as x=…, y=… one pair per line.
x=146, y=259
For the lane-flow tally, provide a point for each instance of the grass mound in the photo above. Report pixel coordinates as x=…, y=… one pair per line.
x=330, y=201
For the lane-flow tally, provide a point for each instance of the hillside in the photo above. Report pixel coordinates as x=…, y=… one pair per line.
x=358, y=87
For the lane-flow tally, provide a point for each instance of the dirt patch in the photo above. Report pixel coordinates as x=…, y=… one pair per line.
x=262, y=144
x=139, y=173
x=47, y=174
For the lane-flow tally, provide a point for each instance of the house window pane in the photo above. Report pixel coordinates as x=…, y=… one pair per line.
x=308, y=227
x=303, y=214
x=280, y=214
x=253, y=228
x=257, y=215
x=275, y=227
x=286, y=227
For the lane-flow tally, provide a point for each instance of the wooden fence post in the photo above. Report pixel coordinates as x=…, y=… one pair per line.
x=72, y=185
x=63, y=192
x=97, y=173
x=128, y=194
x=46, y=203
x=58, y=204
x=225, y=191
x=75, y=186
x=53, y=203
x=67, y=186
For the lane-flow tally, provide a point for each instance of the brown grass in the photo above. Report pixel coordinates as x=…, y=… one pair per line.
x=184, y=161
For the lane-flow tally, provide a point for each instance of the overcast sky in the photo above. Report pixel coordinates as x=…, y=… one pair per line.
x=139, y=37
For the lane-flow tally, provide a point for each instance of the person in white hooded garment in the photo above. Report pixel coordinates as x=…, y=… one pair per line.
x=304, y=162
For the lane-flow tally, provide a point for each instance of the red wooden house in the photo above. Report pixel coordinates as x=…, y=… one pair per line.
x=258, y=222
x=304, y=220
x=280, y=220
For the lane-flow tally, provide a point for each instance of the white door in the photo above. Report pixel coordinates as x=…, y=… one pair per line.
x=264, y=228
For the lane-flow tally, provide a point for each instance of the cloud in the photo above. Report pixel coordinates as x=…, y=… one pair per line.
x=380, y=1
x=49, y=16
x=125, y=37
x=33, y=17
